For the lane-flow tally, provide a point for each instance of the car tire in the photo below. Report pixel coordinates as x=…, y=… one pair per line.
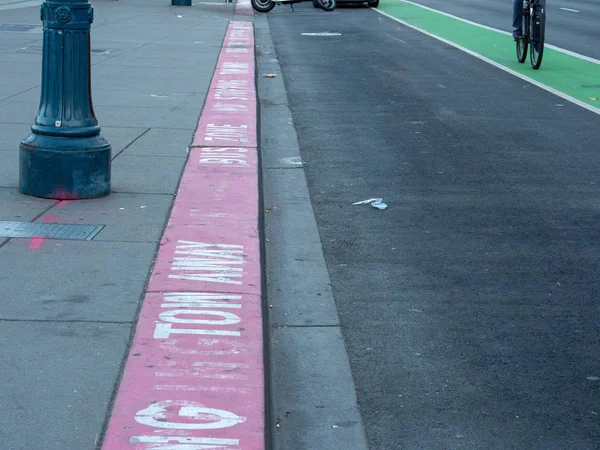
x=373, y=3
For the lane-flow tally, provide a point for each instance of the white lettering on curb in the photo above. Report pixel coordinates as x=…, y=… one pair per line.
x=232, y=90
x=164, y=329
x=228, y=107
x=214, y=310
x=236, y=50
x=188, y=443
x=228, y=133
x=212, y=263
x=234, y=68
x=224, y=155
x=195, y=416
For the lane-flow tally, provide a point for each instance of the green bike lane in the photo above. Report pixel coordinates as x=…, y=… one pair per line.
x=573, y=78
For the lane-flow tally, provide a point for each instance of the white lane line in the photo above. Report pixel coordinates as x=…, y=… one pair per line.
x=497, y=65
x=553, y=47
x=571, y=10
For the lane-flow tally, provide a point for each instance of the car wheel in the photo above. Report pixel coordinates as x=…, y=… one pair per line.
x=373, y=3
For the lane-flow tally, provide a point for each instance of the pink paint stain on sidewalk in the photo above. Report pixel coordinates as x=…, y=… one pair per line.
x=37, y=242
x=194, y=378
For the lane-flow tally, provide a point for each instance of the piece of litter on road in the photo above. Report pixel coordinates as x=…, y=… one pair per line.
x=370, y=200
x=335, y=426
x=180, y=17
x=379, y=205
x=595, y=99
x=559, y=105
x=158, y=96
x=142, y=207
x=375, y=203
x=270, y=75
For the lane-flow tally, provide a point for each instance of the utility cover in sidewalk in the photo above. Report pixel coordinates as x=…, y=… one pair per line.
x=76, y=232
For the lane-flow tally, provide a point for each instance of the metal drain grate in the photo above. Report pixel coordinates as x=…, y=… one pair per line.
x=76, y=232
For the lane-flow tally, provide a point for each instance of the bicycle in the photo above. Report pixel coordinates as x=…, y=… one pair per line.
x=534, y=31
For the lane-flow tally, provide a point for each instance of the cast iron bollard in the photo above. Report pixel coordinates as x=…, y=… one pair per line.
x=65, y=157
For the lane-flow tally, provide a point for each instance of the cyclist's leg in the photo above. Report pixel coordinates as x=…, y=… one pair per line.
x=517, y=18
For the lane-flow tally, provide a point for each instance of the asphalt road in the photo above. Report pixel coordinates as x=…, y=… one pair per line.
x=470, y=306
x=571, y=24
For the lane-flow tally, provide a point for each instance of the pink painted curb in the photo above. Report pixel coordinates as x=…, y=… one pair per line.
x=194, y=377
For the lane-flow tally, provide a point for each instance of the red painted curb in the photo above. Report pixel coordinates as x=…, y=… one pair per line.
x=194, y=378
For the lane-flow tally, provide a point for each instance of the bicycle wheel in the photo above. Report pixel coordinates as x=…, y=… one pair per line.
x=524, y=39
x=538, y=32
x=327, y=5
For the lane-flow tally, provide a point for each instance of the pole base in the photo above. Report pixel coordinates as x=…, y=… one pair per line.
x=64, y=168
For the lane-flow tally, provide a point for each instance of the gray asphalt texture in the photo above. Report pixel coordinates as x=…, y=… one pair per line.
x=575, y=31
x=470, y=306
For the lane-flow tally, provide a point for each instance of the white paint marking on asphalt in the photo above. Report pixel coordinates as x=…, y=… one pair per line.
x=499, y=66
x=546, y=45
x=570, y=10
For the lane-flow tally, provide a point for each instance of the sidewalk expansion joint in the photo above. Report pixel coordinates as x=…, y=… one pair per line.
x=215, y=292
x=142, y=193
x=68, y=321
x=131, y=143
x=45, y=211
x=19, y=93
x=115, y=241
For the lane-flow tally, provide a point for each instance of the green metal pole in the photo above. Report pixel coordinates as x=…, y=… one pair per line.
x=65, y=156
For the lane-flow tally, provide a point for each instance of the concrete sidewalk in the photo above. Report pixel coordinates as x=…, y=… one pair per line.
x=68, y=307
